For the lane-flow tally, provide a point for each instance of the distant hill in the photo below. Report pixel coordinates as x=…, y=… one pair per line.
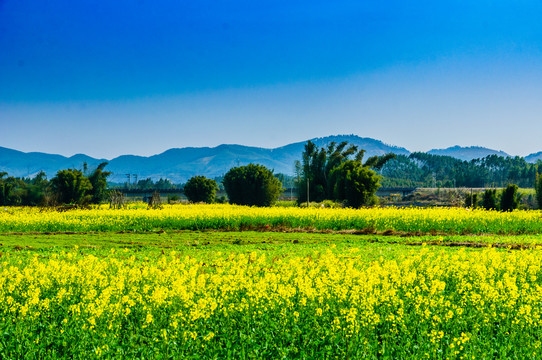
x=180, y=164
x=532, y=158
x=21, y=164
x=467, y=153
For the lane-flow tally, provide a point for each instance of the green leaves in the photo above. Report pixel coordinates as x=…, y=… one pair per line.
x=319, y=177
x=252, y=185
x=200, y=189
x=355, y=184
x=72, y=187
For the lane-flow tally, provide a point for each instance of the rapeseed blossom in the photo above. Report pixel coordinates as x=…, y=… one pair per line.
x=232, y=217
x=426, y=302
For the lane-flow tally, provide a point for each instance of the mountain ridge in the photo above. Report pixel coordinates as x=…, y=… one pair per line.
x=467, y=153
x=179, y=164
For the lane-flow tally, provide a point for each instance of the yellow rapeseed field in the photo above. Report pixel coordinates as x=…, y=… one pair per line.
x=295, y=300
x=426, y=303
x=230, y=217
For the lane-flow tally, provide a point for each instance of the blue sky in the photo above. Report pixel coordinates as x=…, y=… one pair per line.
x=107, y=78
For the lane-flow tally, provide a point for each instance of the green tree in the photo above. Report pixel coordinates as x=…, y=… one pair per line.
x=355, y=184
x=253, y=185
x=70, y=186
x=316, y=166
x=36, y=190
x=471, y=200
x=489, y=199
x=510, y=198
x=5, y=189
x=538, y=189
x=318, y=163
x=164, y=184
x=98, y=180
x=200, y=189
x=468, y=200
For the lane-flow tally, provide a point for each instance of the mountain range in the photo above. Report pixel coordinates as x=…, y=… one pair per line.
x=467, y=153
x=180, y=164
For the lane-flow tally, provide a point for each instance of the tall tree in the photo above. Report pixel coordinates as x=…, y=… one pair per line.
x=71, y=187
x=98, y=180
x=317, y=164
x=538, y=189
x=5, y=189
x=489, y=199
x=510, y=198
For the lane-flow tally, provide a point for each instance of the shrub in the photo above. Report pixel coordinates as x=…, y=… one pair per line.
x=471, y=200
x=253, y=185
x=489, y=199
x=70, y=186
x=538, y=189
x=510, y=198
x=355, y=184
x=200, y=189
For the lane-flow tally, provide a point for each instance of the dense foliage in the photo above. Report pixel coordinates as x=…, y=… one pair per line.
x=354, y=184
x=336, y=172
x=200, y=189
x=24, y=191
x=510, y=198
x=538, y=190
x=426, y=170
x=69, y=186
x=145, y=184
x=253, y=185
x=98, y=180
x=489, y=199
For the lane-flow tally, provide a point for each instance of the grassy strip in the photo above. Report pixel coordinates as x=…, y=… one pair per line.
x=245, y=241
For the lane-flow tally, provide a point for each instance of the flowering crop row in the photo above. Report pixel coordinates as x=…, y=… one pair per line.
x=229, y=217
x=428, y=303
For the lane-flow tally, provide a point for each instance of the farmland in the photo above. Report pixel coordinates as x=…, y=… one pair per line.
x=227, y=217
x=184, y=282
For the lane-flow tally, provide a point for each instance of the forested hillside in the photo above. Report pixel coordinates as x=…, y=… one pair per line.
x=426, y=170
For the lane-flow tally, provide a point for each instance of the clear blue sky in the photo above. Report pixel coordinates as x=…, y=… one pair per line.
x=107, y=78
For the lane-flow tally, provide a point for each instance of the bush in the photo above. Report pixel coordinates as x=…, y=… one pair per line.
x=510, y=198
x=253, y=185
x=471, y=200
x=489, y=199
x=538, y=190
x=355, y=184
x=200, y=189
x=173, y=199
x=70, y=186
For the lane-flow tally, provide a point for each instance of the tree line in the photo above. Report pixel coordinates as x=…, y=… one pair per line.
x=69, y=186
x=426, y=170
x=335, y=172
